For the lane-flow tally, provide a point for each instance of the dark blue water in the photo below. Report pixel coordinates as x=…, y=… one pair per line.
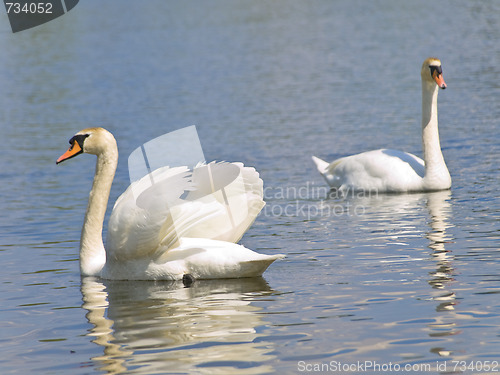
x=410, y=281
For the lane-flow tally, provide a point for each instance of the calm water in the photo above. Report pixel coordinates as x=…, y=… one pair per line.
x=410, y=280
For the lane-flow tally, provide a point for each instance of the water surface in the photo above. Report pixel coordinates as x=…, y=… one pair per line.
x=411, y=280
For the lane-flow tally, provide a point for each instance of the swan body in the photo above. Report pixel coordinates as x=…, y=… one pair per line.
x=393, y=171
x=183, y=224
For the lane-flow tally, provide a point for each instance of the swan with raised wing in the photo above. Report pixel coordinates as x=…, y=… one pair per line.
x=181, y=226
x=393, y=171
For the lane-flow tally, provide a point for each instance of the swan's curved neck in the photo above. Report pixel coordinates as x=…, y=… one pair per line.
x=92, y=253
x=436, y=173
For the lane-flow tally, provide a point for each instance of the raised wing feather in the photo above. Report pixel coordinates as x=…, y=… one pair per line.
x=216, y=201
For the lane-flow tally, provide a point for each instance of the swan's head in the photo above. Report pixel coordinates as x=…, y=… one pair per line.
x=95, y=141
x=432, y=72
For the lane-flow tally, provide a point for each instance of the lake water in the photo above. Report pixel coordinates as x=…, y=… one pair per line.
x=408, y=281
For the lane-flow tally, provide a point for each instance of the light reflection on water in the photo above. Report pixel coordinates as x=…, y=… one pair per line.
x=162, y=326
x=408, y=279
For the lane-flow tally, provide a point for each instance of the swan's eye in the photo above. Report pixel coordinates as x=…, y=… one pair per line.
x=435, y=70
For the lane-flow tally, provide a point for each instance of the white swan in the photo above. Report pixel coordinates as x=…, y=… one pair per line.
x=395, y=171
x=176, y=227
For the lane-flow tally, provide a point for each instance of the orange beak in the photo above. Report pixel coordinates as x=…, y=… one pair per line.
x=73, y=150
x=439, y=79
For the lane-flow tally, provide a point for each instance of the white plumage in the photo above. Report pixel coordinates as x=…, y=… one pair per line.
x=393, y=171
x=185, y=223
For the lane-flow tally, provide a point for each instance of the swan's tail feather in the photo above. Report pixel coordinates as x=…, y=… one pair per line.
x=256, y=267
x=320, y=164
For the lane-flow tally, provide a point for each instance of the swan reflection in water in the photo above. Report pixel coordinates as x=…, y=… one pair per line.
x=154, y=327
x=403, y=210
x=397, y=220
x=439, y=210
x=396, y=216
x=445, y=323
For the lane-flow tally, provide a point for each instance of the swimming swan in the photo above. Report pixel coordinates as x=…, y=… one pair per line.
x=395, y=171
x=179, y=226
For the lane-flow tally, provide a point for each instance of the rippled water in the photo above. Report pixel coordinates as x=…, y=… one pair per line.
x=407, y=280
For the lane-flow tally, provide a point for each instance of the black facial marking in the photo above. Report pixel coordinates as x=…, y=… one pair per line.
x=436, y=69
x=78, y=139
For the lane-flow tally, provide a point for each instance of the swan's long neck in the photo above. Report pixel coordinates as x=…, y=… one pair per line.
x=92, y=253
x=436, y=173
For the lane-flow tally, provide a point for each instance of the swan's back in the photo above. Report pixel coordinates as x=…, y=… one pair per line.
x=376, y=171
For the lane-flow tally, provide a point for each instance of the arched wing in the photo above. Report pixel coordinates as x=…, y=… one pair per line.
x=216, y=201
x=239, y=192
